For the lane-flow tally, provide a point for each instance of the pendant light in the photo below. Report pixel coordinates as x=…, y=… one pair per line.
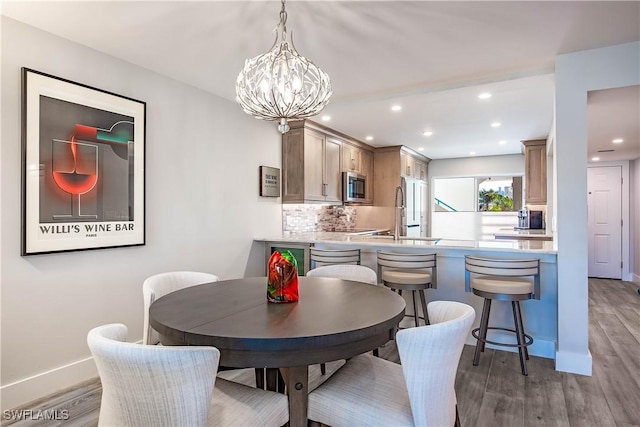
x=282, y=84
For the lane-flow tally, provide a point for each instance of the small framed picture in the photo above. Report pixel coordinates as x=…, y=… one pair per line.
x=269, y=181
x=83, y=150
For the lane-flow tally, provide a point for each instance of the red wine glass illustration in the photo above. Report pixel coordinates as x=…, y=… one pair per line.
x=75, y=171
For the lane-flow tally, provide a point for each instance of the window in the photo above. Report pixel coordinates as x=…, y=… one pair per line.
x=478, y=194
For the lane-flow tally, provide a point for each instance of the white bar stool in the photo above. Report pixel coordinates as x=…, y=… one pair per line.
x=512, y=280
x=410, y=272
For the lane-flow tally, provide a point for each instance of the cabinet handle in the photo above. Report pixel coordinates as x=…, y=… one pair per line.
x=409, y=170
x=353, y=164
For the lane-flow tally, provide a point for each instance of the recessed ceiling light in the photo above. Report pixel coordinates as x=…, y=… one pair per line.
x=472, y=153
x=496, y=124
x=369, y=138
x=427, y=133
x=485, y=95
x=326, y=118
x=595, y=159
x=618, y=141
x=420, y=148
x=502, y=142
x=396, y=108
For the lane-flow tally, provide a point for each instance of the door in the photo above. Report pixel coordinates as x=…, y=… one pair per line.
x=332, y=171
x=604, y=185
x=314, y=188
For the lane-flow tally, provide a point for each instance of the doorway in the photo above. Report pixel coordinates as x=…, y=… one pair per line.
x=604, y=186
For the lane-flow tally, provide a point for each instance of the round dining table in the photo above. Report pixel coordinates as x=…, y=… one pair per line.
x=334, y=319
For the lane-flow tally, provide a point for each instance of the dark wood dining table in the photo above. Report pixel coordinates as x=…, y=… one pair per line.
x=334, y=319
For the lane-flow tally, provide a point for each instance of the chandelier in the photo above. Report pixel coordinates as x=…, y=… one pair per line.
x=281, y=84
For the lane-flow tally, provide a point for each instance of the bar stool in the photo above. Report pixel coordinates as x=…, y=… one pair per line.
x=321, y=257
x=512, y=280
x=411, y=272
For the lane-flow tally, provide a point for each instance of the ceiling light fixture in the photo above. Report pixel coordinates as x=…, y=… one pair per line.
x=502, y=142
x=281, y=84
x=396, y=108
x=496, y=124
x=595, y=159
x=427, y=133
x=420, y=148
x=485, y=95
x=618, y=141
x=326, y=118
x=472, y=153
x=369, y=138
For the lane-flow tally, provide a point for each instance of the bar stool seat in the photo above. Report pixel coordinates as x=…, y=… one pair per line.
x=503, y=285
x=511, y=280
x=407, y=277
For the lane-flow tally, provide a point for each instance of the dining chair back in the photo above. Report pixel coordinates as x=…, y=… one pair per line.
x=321, y=257
x=358, y=273
x=159, y=285
x=419, y=392
x=430, y=357
x=144, y=385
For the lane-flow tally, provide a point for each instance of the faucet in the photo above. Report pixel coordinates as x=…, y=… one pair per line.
x=399, y=208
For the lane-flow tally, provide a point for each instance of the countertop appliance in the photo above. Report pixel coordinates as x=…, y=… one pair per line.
x=536, y=220
x=523, y=219
x=354, y=187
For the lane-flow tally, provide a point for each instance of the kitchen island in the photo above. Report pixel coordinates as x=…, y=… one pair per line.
x=540, y=316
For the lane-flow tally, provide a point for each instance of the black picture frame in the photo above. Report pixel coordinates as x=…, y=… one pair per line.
x=83, y=166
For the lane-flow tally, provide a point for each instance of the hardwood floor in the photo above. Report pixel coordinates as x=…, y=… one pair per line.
x=495, y=393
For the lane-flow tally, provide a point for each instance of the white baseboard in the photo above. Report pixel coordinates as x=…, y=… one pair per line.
x=635, y=278
x=27, y=390
x=574, y=363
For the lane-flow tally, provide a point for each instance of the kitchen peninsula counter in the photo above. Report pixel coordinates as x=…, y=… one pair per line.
x=540, y=316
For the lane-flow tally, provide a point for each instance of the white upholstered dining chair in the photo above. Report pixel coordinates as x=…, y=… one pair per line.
x=358, y=273
x=159, y=285
x=419, y=392
x=145, y=385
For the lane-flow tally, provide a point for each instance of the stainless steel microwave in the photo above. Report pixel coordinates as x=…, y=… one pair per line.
x=354, y=187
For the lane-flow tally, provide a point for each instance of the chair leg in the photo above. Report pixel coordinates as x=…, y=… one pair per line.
x=482, y=333
x=323, y=368
x=376, y=353
x=423, y=302
x=260, y=378
x=415, y=308
x=486, y=328
x=515, y=306
x=526, y=351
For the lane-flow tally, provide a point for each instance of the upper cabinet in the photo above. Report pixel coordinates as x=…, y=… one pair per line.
x=311, y=166
x=393, y=163
x=535, y=171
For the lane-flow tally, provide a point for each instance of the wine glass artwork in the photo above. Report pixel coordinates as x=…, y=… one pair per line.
x=75, y=171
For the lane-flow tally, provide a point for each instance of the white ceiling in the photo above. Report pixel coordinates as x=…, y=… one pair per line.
x=432, y=58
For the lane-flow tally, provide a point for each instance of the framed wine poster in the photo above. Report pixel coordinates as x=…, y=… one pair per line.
x=83, y=184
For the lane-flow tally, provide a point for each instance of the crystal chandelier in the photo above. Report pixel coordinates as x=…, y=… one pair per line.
x=281, y=84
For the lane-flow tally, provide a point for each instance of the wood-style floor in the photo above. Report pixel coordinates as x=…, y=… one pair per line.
x=495, y=393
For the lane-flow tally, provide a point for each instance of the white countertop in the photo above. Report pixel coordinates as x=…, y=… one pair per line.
x=528, y=233
x=532, y=246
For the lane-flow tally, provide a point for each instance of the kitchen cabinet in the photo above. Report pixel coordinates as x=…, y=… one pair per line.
x=366, y=167
x=311, y=166
x=535, y=171
x=351, y=159
x=412, y=166
x=390, y=165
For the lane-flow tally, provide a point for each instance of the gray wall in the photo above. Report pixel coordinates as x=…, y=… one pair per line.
x=635, y=220
x=202, y=211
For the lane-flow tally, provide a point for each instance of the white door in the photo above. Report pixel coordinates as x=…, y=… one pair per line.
x=605, y=221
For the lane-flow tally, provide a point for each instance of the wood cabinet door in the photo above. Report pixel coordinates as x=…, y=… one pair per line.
x=293, y=166
x=351, y=158
x=366, y=167
x=313, y=165
x=535, y=158
x=332, y=170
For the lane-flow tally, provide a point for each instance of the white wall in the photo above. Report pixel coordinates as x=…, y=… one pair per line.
x=576, y=74
x=202, y=211
x=634, y=171
x=512, y=164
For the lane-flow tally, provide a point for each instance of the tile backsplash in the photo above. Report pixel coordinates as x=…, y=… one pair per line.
x=305, y=218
